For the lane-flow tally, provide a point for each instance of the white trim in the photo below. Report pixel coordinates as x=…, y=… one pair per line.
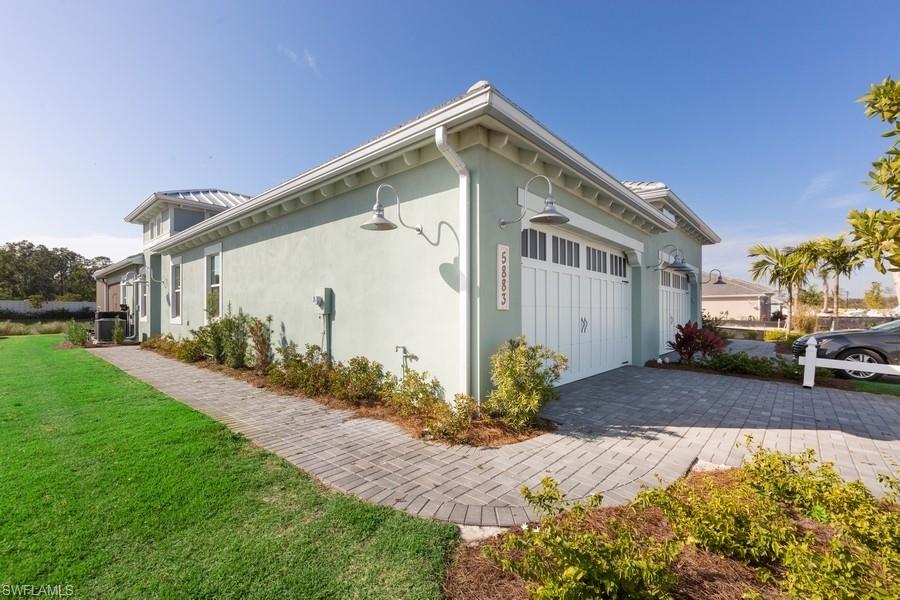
x=176, y=262
x=485, y=100
x=144, y=296
x=207, y=252
x=583, y=225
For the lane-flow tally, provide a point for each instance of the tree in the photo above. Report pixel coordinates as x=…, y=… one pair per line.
x=28, y=270
x=842, y=258
x=813, y=255
x=876, y=232
x=873, y=296
x=810, y=296
x=883, y=101
x=786, y=269
x=877, y=236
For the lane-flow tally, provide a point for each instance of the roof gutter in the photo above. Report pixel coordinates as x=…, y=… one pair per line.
x=465, y=293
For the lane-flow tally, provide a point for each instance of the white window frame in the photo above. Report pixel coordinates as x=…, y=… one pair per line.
x=176, y=292
x=143, y=297
x=207, y=252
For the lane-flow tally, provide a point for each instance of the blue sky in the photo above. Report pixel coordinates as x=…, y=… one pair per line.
x=746, y=110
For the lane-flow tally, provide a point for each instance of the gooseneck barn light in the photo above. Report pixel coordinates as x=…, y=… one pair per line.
x=719, y=280
x=549, y=216
x=378, y=222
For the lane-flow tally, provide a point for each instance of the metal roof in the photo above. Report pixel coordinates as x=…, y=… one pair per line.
x=645, y=186
x=213, y=197
x=734, y=287
x=208, y=199
x=658, y=193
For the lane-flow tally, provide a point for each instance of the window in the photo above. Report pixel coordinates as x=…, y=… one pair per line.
x=618, y=266
x=175, y=283
x=534, y=244
x=596, y=260
x=143, y=300
x=565, y=252
x=213, y=283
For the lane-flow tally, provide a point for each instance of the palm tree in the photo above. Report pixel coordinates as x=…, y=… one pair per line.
x=813, y=254
x=787, y=268
x=842, y=258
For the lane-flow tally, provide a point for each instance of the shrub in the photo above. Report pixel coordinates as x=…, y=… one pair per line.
x=751, y=334
x=450, y=420
x=189, y=350
x=806, y=322
x=415, y=393
x=76, y=333
x=523, y=376
x=774, y=335
x=235, y=338
x=691, y=339
x=118, y=332
x=212, y=341
x=261, y=336
x=311, y=372
x=35, y=301
x=164, y=344
x=563, y=558
x=358, y=380
x=714, y=324
x=730, y=520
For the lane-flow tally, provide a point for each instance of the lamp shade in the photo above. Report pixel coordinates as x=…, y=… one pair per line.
x=377, y=222
x=549, y=216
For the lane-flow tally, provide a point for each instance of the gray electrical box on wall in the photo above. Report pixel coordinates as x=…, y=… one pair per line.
x=324, y=299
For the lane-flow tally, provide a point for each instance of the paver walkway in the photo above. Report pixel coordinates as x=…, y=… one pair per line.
x=617, y=431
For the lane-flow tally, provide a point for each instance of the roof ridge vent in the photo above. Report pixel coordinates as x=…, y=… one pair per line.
x=482, y=83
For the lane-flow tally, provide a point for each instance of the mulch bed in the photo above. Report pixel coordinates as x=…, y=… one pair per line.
x=834, y=382
x=701, y=575
x=482, y=433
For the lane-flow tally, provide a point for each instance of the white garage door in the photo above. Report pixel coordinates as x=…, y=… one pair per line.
x=576, y=299
x=674, y=306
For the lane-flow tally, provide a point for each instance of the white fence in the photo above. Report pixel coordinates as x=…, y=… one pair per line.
x=24, y=307
x=811, y=362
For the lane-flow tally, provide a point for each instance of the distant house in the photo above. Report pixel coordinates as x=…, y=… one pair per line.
x=737, y=299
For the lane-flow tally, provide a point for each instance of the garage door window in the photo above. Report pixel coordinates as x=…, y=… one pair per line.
x=596, y=260
x=534, y=244
x=618, y=266
x=566, y=252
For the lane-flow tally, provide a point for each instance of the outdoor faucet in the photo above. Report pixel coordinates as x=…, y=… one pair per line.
x=407, y=356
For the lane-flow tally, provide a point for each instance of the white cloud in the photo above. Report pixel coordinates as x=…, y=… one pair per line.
x=114, y=247
x=819, y=185
x=290, y=54
x=310, y=61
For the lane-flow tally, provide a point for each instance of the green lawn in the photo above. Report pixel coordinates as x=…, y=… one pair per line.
x=877, y=387
x=114, y=488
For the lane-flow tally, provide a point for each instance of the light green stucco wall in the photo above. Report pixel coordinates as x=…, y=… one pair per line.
x=390, y=288
x=496, y=184
x=398, y=288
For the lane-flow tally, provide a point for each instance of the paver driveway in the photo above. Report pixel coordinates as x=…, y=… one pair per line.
x=617, y=431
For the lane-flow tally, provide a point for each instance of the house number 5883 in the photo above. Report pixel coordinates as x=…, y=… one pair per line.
x=502, y=277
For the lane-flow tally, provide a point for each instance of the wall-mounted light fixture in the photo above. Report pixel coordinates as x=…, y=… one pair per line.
x=378, y=222
x=676, y=264
x=548, y=216
x=719, y=280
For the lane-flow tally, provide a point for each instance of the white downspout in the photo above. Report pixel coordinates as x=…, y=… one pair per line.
x=465, y=294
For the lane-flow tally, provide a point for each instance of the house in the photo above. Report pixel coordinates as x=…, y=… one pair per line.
x=739, y=300
x=444, y=269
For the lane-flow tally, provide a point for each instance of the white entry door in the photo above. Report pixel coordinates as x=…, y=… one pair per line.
x=674, y=306
x=576, y=299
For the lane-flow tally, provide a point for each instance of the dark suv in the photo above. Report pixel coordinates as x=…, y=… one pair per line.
x=880, y=344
